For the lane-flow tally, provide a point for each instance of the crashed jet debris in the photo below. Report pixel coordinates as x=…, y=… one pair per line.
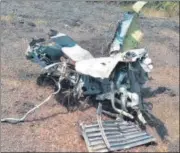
x=117, y=78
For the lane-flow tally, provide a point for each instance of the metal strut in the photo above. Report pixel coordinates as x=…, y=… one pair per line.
x=99, y=120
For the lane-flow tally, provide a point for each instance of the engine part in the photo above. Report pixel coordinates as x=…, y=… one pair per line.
x=120, y=111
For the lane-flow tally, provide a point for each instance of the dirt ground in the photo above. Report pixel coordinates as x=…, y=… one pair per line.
x=50, y=128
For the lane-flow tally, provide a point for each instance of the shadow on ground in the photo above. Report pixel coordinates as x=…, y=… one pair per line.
x=148, y=92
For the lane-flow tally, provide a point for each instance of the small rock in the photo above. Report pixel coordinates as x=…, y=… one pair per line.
x=31, y=24
x=66, y=26
x=172, y=94
x=12, y=89
x=20, y=20
x=16, y=103
x=32, y=125
x=29, y=105
x=151, y=78
x=74, y=23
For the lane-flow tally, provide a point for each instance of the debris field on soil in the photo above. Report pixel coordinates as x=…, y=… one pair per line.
x=51, y=128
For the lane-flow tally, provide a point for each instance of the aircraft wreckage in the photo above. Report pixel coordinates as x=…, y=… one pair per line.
x=118, y=79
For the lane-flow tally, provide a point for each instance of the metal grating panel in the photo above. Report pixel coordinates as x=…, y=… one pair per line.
x=120, y=135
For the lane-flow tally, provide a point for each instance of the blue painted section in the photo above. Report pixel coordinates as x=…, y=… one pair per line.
x=52, y=50
x=64, y=41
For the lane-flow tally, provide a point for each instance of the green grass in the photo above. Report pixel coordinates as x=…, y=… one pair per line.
x=171, y=8
x=156, y=8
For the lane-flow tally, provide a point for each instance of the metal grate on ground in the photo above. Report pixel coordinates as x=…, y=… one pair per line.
x=120, y=135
